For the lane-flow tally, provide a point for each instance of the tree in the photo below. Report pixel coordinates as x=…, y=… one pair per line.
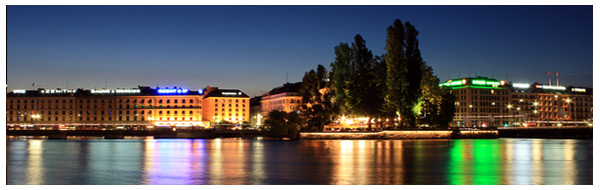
x=340, y=75
x=404, y=64
x=431, y=99
x=283, y=125
x=316, y=99
x=447, y=109
x=358, y=84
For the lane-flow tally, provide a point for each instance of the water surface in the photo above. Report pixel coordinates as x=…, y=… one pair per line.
x=364, y=162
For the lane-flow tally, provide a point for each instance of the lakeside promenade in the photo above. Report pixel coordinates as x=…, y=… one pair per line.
x=537, y=132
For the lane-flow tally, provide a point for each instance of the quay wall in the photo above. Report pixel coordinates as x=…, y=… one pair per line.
x=408, y=134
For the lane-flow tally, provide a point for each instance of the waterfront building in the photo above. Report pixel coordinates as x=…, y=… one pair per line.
x=134, y=107
x=256, y=117
x=480, y=101
x=285, y=98
x=226, y=105
x=548, y=105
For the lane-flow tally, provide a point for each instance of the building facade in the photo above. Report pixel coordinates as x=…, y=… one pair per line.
x=547, y=105
x=136, y=107
x=226, y=105
x=482, y=102
x=285, y=98
x=479, y=102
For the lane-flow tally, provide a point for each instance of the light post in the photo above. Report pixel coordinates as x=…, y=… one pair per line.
x=535, y=111
x=509, y=109
x=518, y=110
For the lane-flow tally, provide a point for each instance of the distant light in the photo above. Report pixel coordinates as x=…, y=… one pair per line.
x=200, y=91
x=58, y=91
x=120, y=91
x=229, y=93
x=551, y=87
x=172, y=91
x=578, y=90
x=520, y=85
x=19, y=91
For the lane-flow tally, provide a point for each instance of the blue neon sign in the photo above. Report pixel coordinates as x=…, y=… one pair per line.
x=172, y=90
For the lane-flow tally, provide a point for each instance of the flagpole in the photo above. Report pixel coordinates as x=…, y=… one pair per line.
x=557, y=84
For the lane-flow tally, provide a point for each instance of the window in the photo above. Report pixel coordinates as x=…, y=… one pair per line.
x=160, y=101
x=175, y=101
x=168, y=101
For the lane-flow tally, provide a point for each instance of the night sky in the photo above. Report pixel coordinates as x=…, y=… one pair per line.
x=252, y=47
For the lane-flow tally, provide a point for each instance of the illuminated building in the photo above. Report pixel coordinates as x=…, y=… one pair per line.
x=285, y=98
x=483, y=101
x=546, y=105
x=256, y=117
x=480, y=101
x=226, y=105
x=135, y=107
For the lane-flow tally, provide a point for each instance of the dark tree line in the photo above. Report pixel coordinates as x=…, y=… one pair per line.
x=397, y=84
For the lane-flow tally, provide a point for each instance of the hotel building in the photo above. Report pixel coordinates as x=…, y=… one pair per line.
x=226, y=105
x=135, y=107
x=547, y=105
x=285, y=98
x=482, y=101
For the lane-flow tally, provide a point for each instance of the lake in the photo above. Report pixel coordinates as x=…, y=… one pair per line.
x=240, y=161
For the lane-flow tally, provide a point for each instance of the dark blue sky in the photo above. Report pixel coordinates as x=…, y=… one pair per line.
x=252, y=47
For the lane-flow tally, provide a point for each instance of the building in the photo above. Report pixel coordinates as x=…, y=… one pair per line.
x=226, y=105
x=256, y=117
x=134, y=107
x=482, y=101
x=547, y=105
x=285, y=98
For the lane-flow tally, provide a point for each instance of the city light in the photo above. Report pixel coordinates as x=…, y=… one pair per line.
x=231, y=93
x=58, y=91
x=117, y=91
x=578, y=90
x=547, y=87
x=521, y=85
x=172, y=90
x=19, y=91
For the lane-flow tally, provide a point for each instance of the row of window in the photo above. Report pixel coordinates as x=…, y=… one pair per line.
x=183, y=101
x=120, y=118
x=230, y=100
x=223, y=105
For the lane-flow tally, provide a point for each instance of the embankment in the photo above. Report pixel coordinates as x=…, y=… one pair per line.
x=405, y=134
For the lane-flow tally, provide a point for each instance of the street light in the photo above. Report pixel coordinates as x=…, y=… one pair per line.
x=513, y=113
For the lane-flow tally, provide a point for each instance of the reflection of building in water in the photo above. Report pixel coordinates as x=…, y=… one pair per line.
x=35, y=175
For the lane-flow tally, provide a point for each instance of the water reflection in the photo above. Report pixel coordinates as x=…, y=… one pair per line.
x=233, y=161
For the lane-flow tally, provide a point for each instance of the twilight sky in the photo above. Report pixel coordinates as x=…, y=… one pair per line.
x=252, y=47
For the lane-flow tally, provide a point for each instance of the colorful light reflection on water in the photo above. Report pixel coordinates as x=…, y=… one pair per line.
x=233, y=161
